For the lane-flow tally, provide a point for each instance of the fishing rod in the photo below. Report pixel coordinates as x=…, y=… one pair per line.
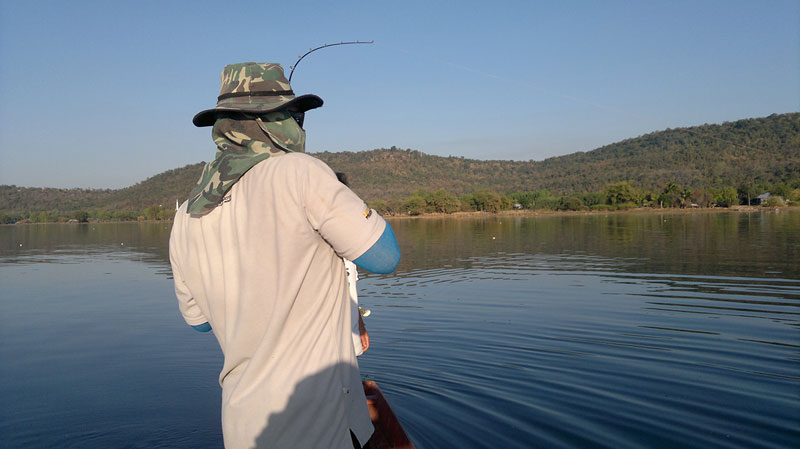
x=321, y=47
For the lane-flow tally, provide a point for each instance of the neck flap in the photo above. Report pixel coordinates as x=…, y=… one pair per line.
x=242, y=142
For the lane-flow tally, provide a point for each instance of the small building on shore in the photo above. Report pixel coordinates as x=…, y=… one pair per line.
x=761, y=199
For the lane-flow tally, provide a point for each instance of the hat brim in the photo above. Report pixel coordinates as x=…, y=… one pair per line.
x=298, y=104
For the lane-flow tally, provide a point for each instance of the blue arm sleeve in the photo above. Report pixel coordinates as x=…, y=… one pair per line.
x=383, y=256
x=205, y=327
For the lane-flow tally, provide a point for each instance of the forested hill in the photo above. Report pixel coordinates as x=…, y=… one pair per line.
x=763, y=150
x=755, y=151
x=162, y=189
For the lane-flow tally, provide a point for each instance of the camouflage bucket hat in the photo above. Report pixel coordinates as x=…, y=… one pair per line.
x=256, y=88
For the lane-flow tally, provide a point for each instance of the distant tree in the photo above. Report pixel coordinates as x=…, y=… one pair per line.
x=415, y=205
x=166, y=214
x=625, y=206
x=381, y=206
x=793, y=196
x=702, y=197
x=686, y=195
x=571, y=203
x=781, y=189
x=747, y=191
x=525, y=199
x=774, y=201
x=125, y=215
x=591, y=199
x=489, y=201
x=671, y=196
x=726, y=197
x=468, y=202
x=104, y=215
x=545, y=200
x=43, y=217
x=151, y=213
x=649, y=198
x=9, y=218
x=81, y=215
x=395, y=206
x=539, y=199
x=441, y=201
x=620, y=193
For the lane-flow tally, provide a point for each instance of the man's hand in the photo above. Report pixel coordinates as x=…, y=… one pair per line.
x=362, y=332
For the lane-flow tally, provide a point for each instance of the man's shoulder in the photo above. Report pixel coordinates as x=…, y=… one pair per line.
x=303, y=162
x=290, y=167
x=180, y=213
x=303, y=158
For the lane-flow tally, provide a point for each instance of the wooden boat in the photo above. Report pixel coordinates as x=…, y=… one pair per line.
x=389, y=434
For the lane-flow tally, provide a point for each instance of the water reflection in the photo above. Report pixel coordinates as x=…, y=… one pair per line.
x=556, y=331
x=727, y=244
x=573, y=351
x=57, y=243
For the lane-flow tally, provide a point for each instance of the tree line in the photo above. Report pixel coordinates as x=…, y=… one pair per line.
x=621, y=195
x=85, y=216
x=616, y=196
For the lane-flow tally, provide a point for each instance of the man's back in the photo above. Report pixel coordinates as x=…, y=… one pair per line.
x=264, y=269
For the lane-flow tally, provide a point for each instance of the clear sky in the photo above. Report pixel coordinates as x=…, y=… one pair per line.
x=101, y=93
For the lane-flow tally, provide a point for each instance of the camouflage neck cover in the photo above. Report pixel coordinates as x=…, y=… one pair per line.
x=242, y=142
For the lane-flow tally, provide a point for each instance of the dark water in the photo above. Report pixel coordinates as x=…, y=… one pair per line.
x=563, y=331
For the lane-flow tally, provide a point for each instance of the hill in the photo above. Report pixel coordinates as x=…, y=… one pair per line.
x=161, y=189
x=754, y=151
x=764, y=150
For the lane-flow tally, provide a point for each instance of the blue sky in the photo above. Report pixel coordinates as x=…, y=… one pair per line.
x=101, y=93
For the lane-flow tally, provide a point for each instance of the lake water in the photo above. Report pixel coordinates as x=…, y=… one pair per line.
x=618, y=331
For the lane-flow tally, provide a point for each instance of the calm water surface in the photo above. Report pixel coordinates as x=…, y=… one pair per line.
x=674, y=330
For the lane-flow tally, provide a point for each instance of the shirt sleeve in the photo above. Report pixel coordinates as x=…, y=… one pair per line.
x=186, y=304
x=338, y=214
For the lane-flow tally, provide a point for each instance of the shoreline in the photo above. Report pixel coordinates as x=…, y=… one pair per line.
x=513, y=213
x=637, y=211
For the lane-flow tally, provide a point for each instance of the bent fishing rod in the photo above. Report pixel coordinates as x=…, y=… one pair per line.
x=321, y=47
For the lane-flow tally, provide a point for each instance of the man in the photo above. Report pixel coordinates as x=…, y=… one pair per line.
x=256, y=255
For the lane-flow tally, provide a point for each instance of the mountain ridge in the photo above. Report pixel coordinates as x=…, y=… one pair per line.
x=762, y=150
